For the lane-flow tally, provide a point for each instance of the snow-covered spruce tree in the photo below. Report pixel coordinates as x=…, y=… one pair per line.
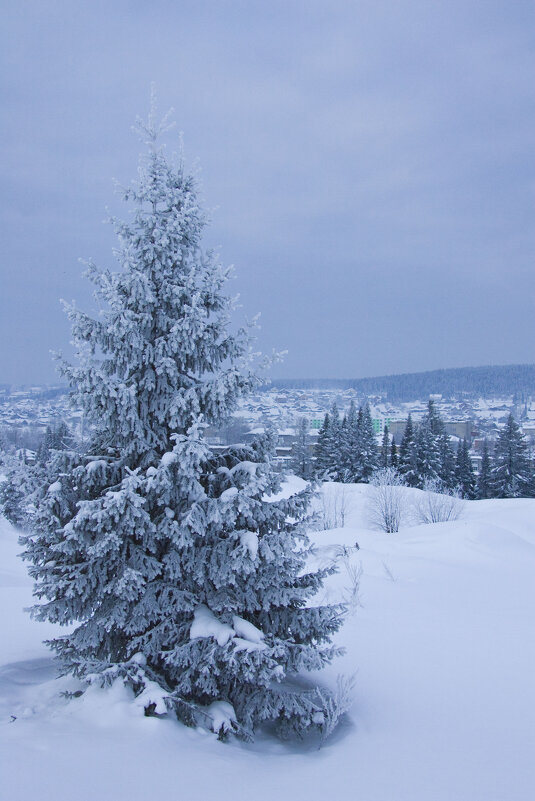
x=180, y=575
x=393, y=454
x=384, y=453
x=329, y=446
x=484, y=489
x=321, y=450
x=510, y=467
x=301, y=460
x=18, y=483
x=349, y=456
x=434, y=455
x=407, y=463
x=334, y=444
x=427, y=453
x=367, y=444
x=447, y=461
x=12, y=498
x=466, y=480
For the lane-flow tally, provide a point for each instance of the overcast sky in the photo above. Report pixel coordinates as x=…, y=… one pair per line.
x=370, y=166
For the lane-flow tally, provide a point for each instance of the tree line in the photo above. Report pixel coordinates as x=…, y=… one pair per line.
x=347, y=451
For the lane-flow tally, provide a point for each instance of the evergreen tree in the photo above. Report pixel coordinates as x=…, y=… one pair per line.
x=530, y=484
x=321, y=449
x=510, y=469
x=349, y=446
x=42, y=454
x=18, y=487
x=427, y=453
x=464, y=473
x=301, y=462
x=384, y=454
x=407, y=456
x=56, y=438
x=433, y=452
x=393, y=455
x=180, y=576
x=484, y=488
x=329, y=447
x=12, y=500
x=446, y=472
x=367, y=445
x=436, y=423
x=335, y=445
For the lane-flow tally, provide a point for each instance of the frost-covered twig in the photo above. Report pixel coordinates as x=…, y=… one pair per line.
x=335, y=704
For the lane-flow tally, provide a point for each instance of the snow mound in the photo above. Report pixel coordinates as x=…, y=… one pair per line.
x=244, y=467
x=247, y=630
x=249, y=539
x=222, y=715
x=96, y=464
x=152, y=694
x=242, y=644
x=442, y=643
x=205, y=624
x=168, y=459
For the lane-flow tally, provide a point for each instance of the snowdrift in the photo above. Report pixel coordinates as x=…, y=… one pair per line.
x=439, y=635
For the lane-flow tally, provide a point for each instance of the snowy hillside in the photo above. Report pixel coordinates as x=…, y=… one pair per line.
x=441, y=641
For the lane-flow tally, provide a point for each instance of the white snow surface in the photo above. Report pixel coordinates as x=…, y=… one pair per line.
x=444, y=702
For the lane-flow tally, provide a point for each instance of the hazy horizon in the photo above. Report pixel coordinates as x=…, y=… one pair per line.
x=274, y=379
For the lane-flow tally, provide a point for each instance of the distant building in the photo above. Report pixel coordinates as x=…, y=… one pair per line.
x=462, y=429
x=396, y=428
x=379, y=424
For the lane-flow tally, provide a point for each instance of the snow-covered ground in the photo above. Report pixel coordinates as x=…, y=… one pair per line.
x=442, y=644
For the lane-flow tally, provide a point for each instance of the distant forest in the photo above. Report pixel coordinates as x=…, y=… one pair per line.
x=511, y=379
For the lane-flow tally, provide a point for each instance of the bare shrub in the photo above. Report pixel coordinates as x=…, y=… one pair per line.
x=388, y=572
x=351, y=592
x=386, y=501
x=335, y=505
x=438, y=504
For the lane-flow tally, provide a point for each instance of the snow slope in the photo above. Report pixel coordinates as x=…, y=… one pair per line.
x=444, y=701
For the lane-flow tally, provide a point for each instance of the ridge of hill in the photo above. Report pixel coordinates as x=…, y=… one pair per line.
x=486, y=381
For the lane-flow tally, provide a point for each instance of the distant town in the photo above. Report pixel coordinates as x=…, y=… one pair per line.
x=26, y=412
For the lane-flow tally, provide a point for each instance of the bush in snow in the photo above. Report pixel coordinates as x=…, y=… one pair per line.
x=334, y=506
x=180, y=575
x=438, y=504
x=386, y=500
